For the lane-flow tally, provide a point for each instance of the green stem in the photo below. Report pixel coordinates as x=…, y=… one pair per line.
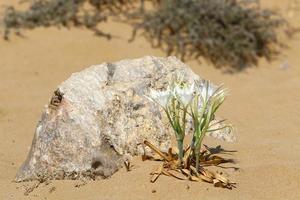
x=180, y=149
x=197, y=160
x=197, y=149
x=197, y=155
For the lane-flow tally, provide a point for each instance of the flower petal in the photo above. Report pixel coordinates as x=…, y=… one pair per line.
x=160, y=97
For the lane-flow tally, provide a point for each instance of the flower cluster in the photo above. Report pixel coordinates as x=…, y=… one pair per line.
x=199, y=101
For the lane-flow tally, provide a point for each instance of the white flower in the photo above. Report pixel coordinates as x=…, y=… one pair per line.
x=160, y=97
x=207, y=90
x=210, y=96
x=185, y=94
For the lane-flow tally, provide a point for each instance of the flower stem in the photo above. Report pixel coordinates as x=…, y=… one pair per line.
x=197, y=160
x=197, y=152
x=180, y=149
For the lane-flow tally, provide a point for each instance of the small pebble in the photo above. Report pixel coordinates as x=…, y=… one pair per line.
x=52, y=189
x=285, y=65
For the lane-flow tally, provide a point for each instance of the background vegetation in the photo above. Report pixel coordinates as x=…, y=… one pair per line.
x=228, y=33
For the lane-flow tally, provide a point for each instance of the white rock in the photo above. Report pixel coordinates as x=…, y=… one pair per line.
x=98, y=117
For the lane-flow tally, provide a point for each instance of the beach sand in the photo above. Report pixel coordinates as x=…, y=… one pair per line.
x=264, y=106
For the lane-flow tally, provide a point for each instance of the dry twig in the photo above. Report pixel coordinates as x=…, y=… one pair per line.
x=186, y=170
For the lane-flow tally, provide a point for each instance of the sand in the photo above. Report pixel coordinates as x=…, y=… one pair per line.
x=263, y=105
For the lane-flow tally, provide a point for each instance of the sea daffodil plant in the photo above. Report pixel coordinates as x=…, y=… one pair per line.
x=200, y=100
x=206, y=102
x=175, y=102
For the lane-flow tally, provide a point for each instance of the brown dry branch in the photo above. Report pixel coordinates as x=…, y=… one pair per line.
x=186, y=170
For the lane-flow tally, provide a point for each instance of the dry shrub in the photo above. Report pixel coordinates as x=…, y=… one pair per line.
x=225, y=32
x=44, y=13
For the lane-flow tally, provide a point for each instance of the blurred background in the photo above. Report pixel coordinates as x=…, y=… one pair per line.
x=250, y=46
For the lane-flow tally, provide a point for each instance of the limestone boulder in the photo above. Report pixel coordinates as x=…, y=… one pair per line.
x=99, y=117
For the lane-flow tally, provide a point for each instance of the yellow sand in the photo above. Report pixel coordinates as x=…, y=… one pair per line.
x=264, y=106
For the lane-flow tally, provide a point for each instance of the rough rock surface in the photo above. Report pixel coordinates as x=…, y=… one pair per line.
x=98, y=117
